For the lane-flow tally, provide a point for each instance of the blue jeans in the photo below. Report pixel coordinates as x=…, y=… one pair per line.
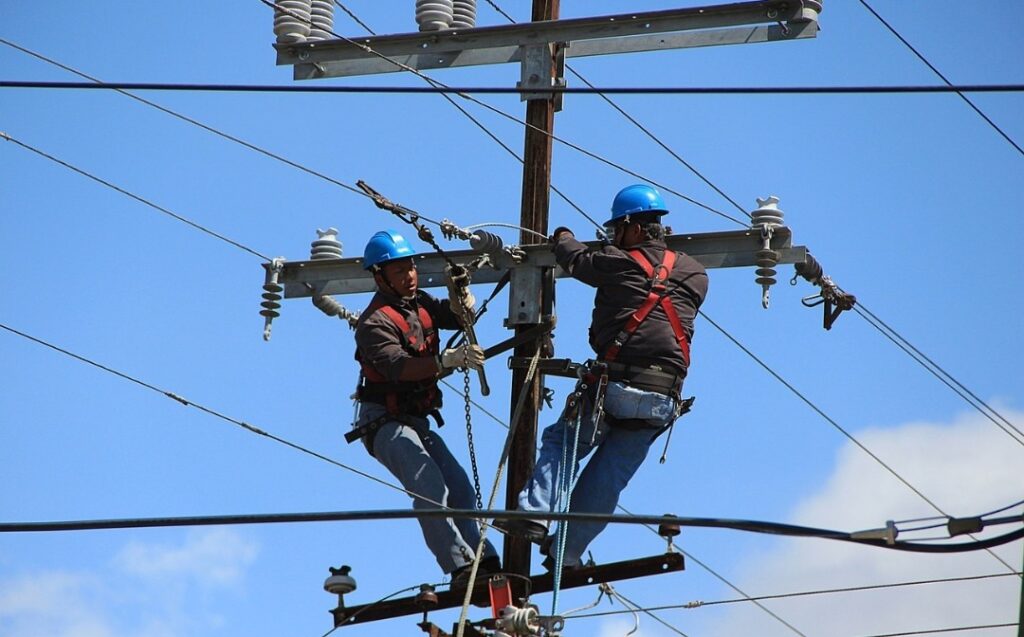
x=420, y=460
x=619, y=453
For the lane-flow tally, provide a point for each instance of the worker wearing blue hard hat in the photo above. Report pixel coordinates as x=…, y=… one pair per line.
x=646, y=299
x=400, y=363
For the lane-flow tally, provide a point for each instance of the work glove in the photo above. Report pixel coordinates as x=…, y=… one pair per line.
x=470, y=356
x=462, y=301
x=558, y=231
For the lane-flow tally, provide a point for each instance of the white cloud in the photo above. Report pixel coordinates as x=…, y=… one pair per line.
x=56, y=604
x=967, y=467
x=160, y=601
x=210, y=557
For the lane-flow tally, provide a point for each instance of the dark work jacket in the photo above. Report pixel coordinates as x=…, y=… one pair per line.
x=379, y=341
x=622, y=287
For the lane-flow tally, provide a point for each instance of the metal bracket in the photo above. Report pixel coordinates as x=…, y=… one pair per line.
x=536, y=62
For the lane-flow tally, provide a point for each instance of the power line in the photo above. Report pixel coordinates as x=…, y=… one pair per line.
x=835, y=424
x=942, y=77
x=513, y=90
x=212, y=412
x=189, y=120
x=498, y=111
x=918, y=356
x=147, y=202
x=721, y=578
x=936, y=631
x=849, y=589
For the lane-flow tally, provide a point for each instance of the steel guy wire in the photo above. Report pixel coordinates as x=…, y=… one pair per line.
x=828, y=591
x=498, y=111
x=487, y=131
x=721, y=578
x=936, y=369
x=636, y=123
x=147, y=202
x=212, y=412
x=936, y=631
x=835, y=424
x=941, y=76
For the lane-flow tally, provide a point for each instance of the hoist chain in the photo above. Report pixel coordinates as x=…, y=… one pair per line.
x=469, y=437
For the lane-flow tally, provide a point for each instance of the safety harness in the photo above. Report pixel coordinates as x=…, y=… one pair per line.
x=403, y=398
x=657, y=295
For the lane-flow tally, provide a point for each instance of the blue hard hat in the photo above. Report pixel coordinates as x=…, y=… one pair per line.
x=635, y=199
x=386, y=245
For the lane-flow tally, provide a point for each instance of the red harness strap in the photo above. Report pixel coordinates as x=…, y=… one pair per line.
x=657, y=296
x=427, y=347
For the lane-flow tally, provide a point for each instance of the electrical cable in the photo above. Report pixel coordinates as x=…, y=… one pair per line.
x=917, y=355
x=511, y=90
x=749, y=526
x=349, y=619
x=829, y=591
x=188, y=119
x=498, y=111
x=638, y=608
x=235, y=421
x=483, y=128
x=936, y=631
x=721, y=578
x=7, y=137
x=835, y=424
x=942, y=77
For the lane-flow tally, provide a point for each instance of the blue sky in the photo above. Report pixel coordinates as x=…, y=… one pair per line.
x=909, y=202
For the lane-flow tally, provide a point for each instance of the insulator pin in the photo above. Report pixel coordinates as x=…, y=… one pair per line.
x=271, y=296
x=326, y=246
x=322, y=18
x=434, y=15
x=766, y=218
x=292, y=20
x=483, y=241
x=463, y=14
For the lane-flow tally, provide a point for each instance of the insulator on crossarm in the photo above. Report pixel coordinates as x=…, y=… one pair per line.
x=810, y=270
x=322, y=17
x=292, y=20
x=483, y=241
x=326, y=246
x=271, y=295
x=766, y=218
x=434, y=15
x=463, y=14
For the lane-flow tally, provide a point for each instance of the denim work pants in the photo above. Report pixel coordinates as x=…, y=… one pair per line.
x=619, y=453
x=423, y=464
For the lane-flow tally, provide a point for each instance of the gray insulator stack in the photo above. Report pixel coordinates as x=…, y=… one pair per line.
x=326, y=246
x=434, y=15
x=272, y=289
x=766, y=218
x=322, y=16
x=483, y=241
x=463, y=14
x=291, y=20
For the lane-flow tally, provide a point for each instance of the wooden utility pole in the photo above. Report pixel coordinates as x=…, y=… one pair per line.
x=540, y=119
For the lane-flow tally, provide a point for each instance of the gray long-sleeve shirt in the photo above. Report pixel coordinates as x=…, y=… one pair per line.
x=622, y=286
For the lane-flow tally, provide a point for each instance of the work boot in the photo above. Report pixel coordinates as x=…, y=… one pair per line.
x=460, y=576
x=533, y=531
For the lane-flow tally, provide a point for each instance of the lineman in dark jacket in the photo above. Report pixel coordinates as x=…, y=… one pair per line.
x=642, y=324
x=397, y=348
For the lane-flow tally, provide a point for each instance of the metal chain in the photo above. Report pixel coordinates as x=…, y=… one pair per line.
x=469, y=434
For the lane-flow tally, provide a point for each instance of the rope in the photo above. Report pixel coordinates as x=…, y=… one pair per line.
x=567, y=478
